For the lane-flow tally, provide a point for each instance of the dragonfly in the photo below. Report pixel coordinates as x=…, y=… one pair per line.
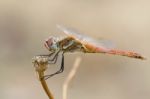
x=76, y=41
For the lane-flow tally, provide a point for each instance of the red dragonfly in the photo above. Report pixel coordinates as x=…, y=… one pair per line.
x=76, y=41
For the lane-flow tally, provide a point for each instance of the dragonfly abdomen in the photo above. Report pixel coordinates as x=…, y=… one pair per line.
x=90, y=48
x=126, y=53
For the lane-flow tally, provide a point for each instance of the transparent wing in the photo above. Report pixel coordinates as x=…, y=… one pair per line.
x=84, y=38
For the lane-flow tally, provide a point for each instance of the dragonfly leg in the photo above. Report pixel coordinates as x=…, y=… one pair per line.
x=59, y=71
x=54, y=60
x=56, y=54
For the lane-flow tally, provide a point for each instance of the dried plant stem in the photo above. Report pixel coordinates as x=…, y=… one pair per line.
x=41, y=64
x=44, y=85
x=70, y=76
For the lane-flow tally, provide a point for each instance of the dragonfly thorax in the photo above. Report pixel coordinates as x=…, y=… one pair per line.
x=51, y=44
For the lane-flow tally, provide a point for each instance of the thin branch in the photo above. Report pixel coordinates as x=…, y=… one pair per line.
x=44, y=85
x=40, y=64
x=70, y=76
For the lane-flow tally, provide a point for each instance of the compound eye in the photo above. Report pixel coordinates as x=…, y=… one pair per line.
x=48, y=43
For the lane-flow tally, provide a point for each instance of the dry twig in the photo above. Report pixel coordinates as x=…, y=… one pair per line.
x=40, y=64
x=70, y=77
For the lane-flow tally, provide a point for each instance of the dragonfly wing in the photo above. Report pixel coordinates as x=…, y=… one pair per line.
x=84, y=38
x=105, y=43
x=71, y=32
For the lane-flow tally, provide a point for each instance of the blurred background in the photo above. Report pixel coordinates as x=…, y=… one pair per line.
x=25, y=24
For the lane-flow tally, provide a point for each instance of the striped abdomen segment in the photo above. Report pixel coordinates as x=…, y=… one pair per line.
x=94, y=49
x=126, y=53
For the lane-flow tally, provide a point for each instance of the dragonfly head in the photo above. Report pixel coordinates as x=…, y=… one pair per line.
x=51, y=44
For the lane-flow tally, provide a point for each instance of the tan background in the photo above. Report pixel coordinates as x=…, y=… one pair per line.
x=24, y=24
